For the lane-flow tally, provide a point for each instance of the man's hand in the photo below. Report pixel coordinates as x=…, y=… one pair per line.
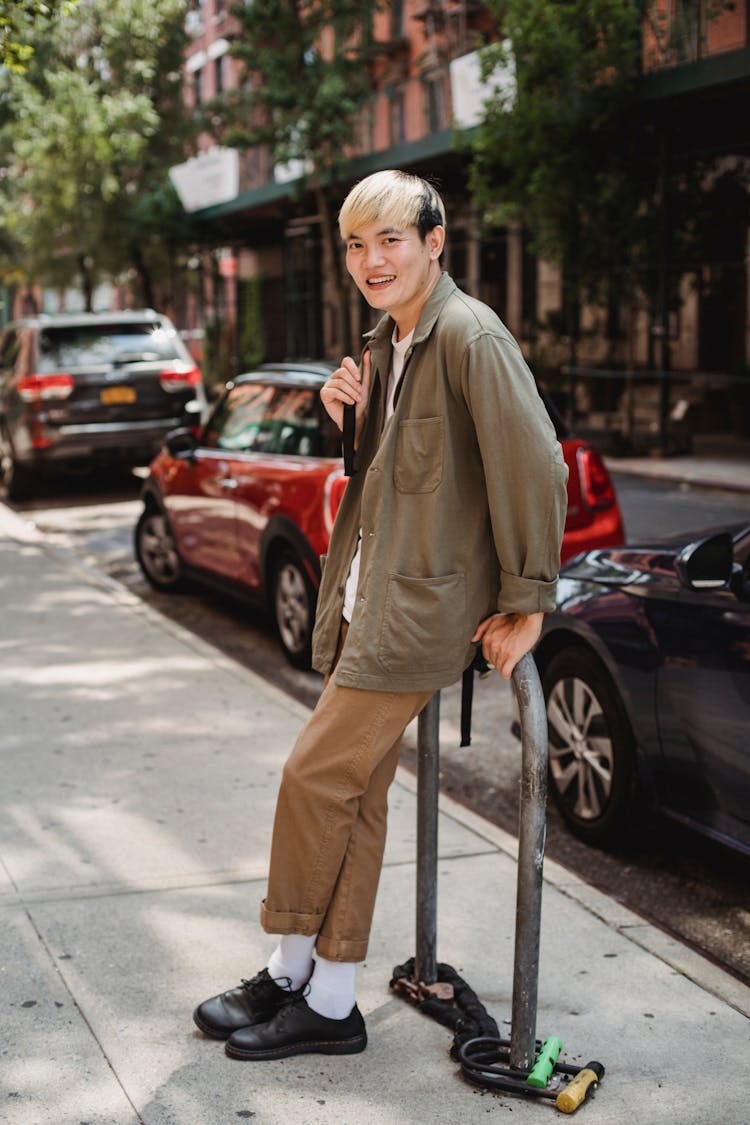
x=506, y=637
x=347, y=386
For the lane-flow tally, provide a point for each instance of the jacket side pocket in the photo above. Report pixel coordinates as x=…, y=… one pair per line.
x=424, y=623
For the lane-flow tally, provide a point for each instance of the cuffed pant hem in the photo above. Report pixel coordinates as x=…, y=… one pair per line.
x=289, y=922
x=341, y=949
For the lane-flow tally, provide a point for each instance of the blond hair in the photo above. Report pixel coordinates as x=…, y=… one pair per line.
x=401, y=199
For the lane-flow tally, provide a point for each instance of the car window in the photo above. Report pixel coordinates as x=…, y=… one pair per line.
x=87, y=345
x=262, y=418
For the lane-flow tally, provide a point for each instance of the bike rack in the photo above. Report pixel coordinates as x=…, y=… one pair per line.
x=506, y=1064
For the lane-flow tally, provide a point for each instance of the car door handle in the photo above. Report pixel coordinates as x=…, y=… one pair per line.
x=227, y=482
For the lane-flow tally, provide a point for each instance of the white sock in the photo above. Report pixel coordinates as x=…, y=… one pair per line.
x=332, y=988
x=292, y=960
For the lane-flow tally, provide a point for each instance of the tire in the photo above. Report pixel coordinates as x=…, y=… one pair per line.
x=592, y=769
x=16, y=481
x=293, y=605
x=157, y=552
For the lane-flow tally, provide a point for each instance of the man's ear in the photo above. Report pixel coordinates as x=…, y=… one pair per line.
x=436, y=241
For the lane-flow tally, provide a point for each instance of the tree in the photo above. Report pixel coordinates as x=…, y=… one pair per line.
x=307, y=76
x=573, y=153
x=93, y=126
x=17, y=18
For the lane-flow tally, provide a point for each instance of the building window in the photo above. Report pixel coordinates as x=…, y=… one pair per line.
x=529, y=275
x=434, y=102
x=302, y=276
x=397, y=19
x=219, y=74
x=398, y=117
x=367, y=127
x=197, y=90
x=493, y=272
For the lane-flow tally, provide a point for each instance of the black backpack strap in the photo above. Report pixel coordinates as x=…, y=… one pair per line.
x=467, y=700
x=349, y=425
x=484, y=668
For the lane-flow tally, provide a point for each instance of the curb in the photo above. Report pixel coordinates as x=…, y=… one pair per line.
x=681, y=474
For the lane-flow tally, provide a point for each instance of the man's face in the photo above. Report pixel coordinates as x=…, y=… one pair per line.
x=394, y=268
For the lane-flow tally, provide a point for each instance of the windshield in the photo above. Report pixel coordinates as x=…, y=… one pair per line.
x=96, y=344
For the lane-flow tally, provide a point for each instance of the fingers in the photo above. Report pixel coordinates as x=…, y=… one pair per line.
x=481, y=630
x=507, y=637
x=344, y=385
x=347, y=386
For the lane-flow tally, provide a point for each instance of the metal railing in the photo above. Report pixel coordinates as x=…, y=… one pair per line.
x=531, y=841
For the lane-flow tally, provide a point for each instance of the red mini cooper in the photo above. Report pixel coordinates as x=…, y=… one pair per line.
x=249, y=503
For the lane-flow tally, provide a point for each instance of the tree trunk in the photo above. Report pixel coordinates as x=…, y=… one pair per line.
x=144, y=277
x=87, y=283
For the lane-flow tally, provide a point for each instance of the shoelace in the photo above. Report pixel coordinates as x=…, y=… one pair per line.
x=263, y=983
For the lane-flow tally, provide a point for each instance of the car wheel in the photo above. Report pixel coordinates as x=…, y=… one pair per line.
x=157, y=553
x=16, y=482
x=293, y=609
x=591, y=747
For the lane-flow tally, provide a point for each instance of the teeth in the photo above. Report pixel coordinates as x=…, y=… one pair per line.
x=381, y=280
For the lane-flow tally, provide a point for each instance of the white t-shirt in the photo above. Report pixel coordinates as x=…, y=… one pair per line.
x=398, y=354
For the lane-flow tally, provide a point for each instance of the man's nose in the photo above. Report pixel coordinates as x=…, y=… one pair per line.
x=373, y=255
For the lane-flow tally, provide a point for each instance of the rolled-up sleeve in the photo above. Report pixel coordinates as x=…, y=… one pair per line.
x=524, y=469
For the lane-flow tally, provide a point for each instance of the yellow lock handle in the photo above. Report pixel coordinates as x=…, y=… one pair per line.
x=576, y=1091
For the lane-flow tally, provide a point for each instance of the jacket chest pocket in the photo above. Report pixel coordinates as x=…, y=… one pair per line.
x=419, y=455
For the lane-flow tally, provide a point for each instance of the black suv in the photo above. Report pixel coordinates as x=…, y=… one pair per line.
x=89, y=389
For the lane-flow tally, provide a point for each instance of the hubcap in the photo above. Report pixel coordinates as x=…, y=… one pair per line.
x=292, y=608
x=6, y=461
x=580, y=748
x=158, y=550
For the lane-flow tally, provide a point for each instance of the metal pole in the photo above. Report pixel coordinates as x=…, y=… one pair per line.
x=531, y=837
x=428, y=768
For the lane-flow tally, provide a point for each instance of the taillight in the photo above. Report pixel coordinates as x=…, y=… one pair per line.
x=179, y=378
x=40, y=388
x=597, y=490
x=334, y=490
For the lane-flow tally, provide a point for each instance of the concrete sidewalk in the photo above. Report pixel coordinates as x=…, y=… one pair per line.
x=140, y=770
x=716, y=462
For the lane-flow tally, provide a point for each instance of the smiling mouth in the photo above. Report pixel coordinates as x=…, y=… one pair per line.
x=376, y=282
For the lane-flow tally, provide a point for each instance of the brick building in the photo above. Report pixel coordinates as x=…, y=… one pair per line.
x=426, y=88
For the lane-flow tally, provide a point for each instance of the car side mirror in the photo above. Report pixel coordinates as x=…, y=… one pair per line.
x=707, y=564
x=181, y=441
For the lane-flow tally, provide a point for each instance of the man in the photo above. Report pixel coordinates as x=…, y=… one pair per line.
x=448, y=535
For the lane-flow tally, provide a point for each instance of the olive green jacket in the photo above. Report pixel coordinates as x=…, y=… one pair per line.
x=461, y=501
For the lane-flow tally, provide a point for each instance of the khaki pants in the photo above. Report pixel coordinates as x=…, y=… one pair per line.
x=330, y=826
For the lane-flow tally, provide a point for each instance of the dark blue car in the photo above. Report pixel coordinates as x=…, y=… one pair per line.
x=646, y=673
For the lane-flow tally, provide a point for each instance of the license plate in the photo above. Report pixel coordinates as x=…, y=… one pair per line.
x=111, y=396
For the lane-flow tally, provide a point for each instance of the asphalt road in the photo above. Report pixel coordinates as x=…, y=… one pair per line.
x=687, y=885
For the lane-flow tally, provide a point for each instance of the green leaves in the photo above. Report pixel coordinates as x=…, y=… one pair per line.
x=584, y=163
x=92, y=127
x=560, y=156
x=307, y=66
x=17, y=21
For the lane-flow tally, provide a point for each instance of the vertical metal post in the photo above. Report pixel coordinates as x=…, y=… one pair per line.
x=428, y=769
x=531, y=839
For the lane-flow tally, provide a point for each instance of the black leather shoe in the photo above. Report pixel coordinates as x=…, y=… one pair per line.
x=297, y=1030
x=255, y=1001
